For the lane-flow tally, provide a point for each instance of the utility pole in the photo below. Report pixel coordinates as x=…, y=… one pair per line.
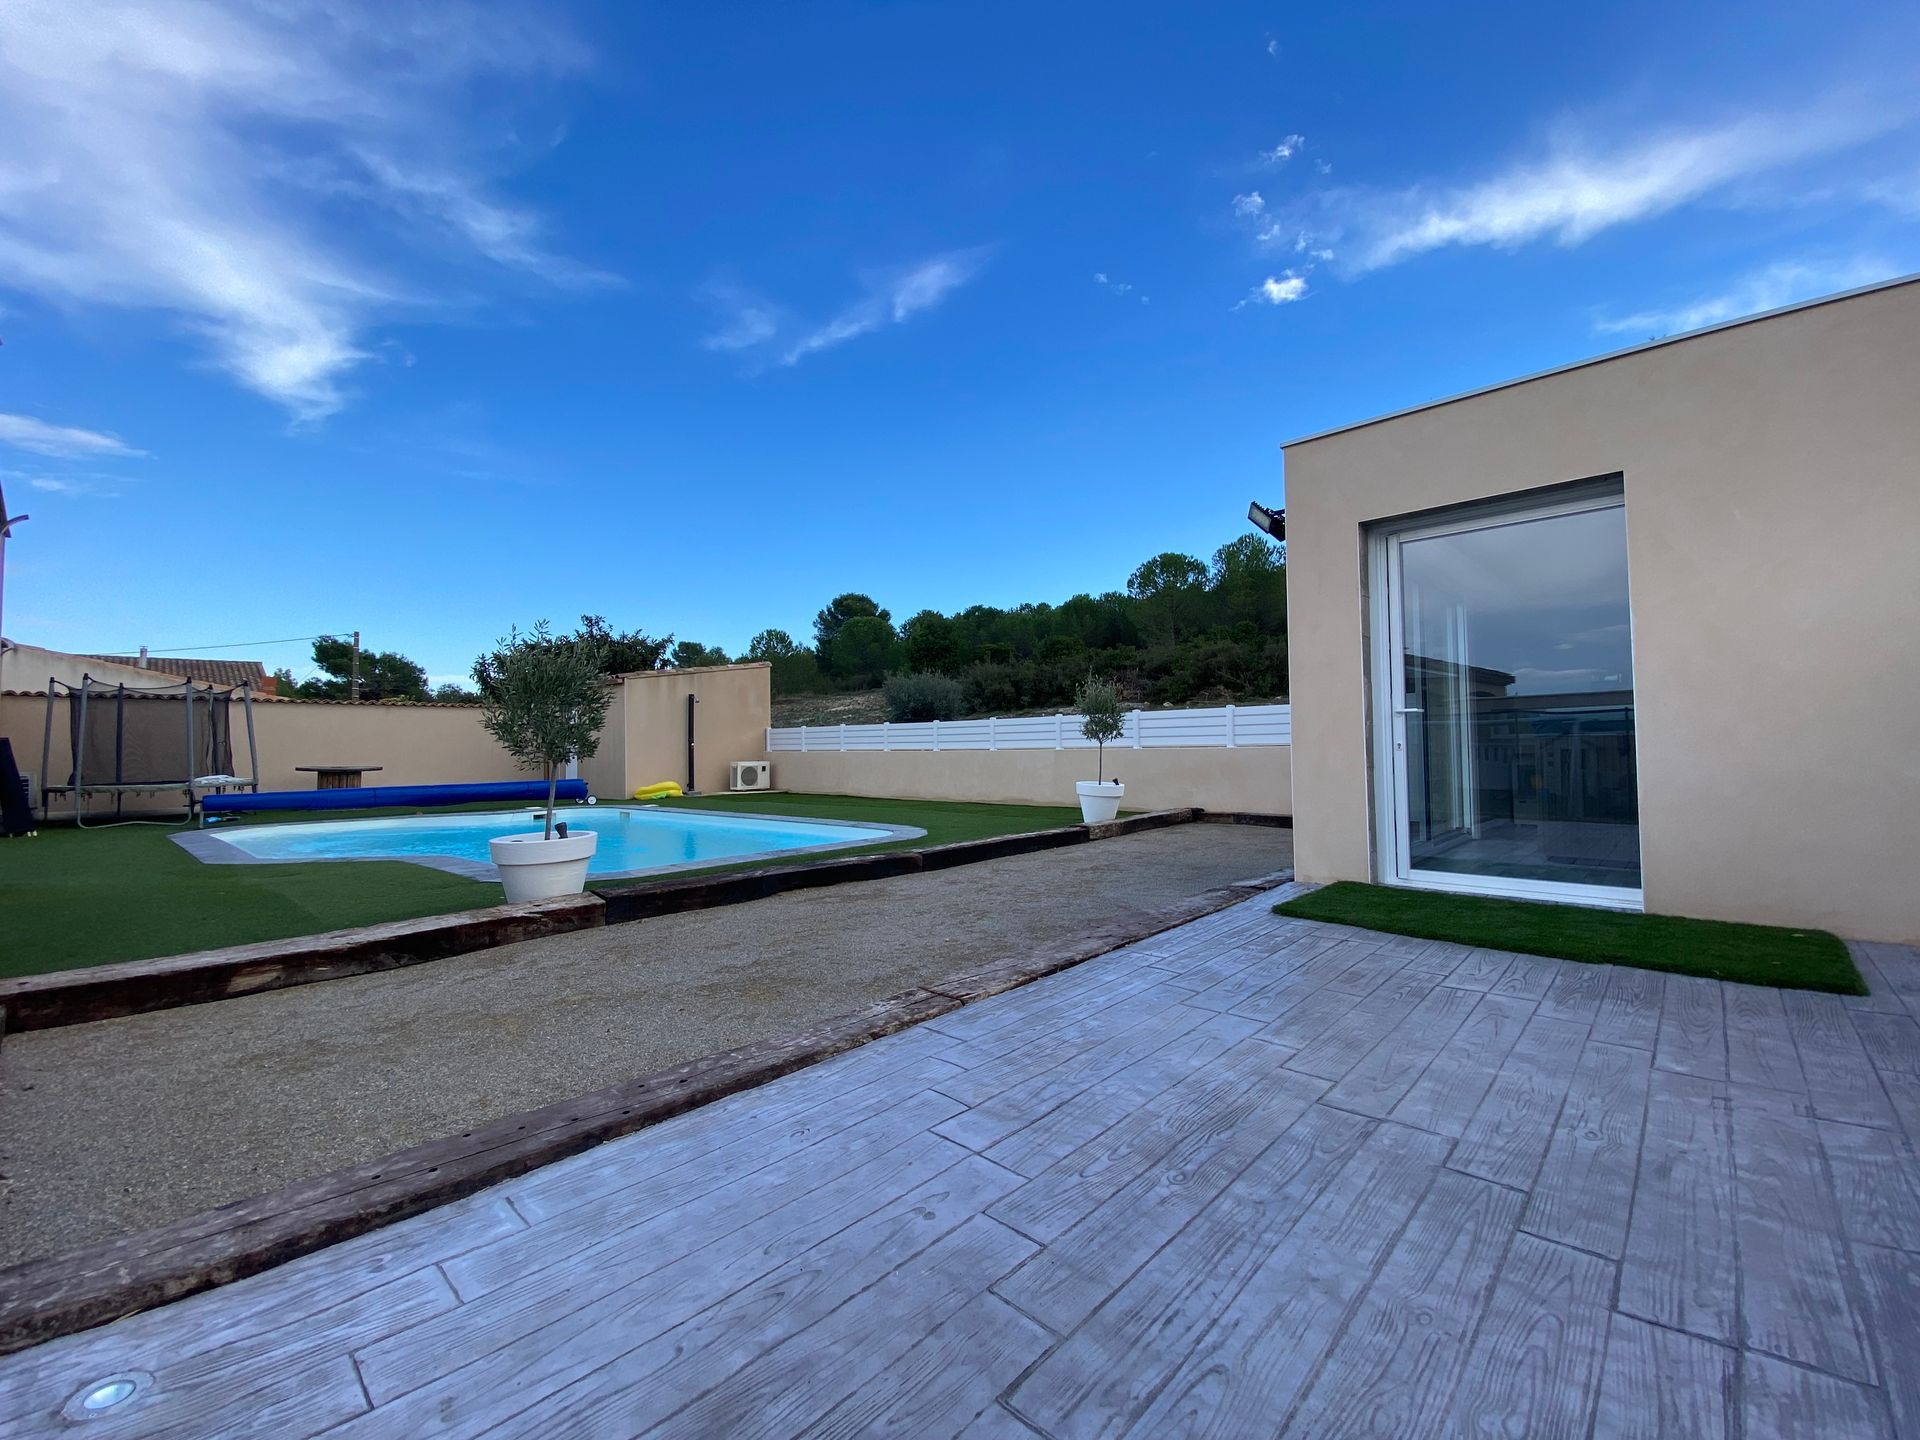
x=7, y=522
x=353, y=675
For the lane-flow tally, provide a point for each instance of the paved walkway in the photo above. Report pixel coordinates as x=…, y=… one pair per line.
x=115, y=1127
x=1251, y=1177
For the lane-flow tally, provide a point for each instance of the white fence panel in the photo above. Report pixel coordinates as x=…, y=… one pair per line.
x=1225, y=725
x=966, y=734
x=1029, y=732
x=908, y=737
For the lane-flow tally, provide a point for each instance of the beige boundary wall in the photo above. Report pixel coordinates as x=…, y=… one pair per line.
x=414, y=744
x=646, y=736
x=1772, y=478
x=1256, y=778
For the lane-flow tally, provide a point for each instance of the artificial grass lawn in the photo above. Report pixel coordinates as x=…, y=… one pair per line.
x=71, y=898
x=1717, y=949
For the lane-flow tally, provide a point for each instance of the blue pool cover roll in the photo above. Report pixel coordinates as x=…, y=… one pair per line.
x=375, y=797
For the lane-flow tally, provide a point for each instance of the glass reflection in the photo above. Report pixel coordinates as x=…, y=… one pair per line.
x=1518, y=659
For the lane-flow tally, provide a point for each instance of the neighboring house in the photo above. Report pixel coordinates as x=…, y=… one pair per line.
x=212, y=672
x=1637, y=632
x=29, y=667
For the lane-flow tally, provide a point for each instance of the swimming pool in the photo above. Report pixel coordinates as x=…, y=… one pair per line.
x=634, y=839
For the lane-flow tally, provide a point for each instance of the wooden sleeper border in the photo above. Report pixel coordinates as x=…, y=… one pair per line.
x=62, y=1294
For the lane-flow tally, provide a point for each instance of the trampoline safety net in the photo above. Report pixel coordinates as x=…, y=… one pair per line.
x=126, y=739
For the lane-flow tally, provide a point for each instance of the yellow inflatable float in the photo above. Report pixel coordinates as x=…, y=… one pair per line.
x=661, y=791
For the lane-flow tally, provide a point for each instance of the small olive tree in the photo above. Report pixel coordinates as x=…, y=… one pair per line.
x=547, y=702
x=1101, y=717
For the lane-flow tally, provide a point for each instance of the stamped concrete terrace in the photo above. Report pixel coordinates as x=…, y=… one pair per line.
x=1253, y=1176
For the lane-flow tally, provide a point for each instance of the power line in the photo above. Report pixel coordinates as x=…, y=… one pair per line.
x=238, y=645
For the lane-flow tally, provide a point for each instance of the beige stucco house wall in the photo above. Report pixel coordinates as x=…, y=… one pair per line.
x=646, y=736
x=1772, y=478
x=1253, y=778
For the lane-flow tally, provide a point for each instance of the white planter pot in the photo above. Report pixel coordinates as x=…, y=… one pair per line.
x=534, y=868
x=1099, y=802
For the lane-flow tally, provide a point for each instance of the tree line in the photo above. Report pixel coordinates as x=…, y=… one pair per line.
x=387, y=675
x=1182, y=631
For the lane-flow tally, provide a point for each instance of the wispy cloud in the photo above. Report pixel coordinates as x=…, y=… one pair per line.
x=62, y=442
x=768, y=333
x=1580, y=187
x=68, y=485
x=750, y=323
x=1284, y=151
x=1249, y=204
x=1785, y=283
x=1117, y=287
x=222, y=162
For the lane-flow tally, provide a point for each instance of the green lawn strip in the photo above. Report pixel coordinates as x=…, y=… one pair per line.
x=945, y=822
x=73, y=898
x=1716, y=949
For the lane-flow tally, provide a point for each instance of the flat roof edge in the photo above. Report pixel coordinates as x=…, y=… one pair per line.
x=1664, y=340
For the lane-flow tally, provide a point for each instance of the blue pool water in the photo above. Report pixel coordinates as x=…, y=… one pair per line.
x=633, y=839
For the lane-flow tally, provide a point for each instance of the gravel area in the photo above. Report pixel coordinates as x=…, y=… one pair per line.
x=117, y=1126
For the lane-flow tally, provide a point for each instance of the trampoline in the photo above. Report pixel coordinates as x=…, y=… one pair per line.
x=138, y=741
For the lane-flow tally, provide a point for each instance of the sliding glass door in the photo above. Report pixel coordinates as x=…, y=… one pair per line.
x=1503, y=688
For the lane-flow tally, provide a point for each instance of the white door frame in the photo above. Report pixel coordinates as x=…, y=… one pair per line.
x=1393, y=861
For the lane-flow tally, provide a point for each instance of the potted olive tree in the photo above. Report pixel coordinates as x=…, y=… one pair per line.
x=1101, y=720
x=545, y=701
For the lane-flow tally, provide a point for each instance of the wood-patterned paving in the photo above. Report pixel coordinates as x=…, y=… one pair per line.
x=1252, y=1177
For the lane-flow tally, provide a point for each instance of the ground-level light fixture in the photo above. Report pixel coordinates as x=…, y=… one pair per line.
x=106, y=1396
x=1274, y=522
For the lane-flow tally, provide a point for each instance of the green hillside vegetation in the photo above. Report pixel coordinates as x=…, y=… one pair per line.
x=1182, y=632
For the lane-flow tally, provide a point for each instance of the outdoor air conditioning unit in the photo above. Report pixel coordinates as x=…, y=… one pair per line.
x=750, y=775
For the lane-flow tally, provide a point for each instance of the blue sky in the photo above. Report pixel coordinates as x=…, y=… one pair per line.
x=431, y=320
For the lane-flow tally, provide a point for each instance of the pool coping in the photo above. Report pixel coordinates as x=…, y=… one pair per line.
x=212, y=847
x=59, y=1295
x=108, y=992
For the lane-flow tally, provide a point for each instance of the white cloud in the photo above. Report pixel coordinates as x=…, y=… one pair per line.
x=63, y=442
x=1284, y=151
x=761, y=329
x=1273, y=47
x=1580, y=188
x=1250, y=203
x=1785, y=283
x=1282, y=289
x=225, y=163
